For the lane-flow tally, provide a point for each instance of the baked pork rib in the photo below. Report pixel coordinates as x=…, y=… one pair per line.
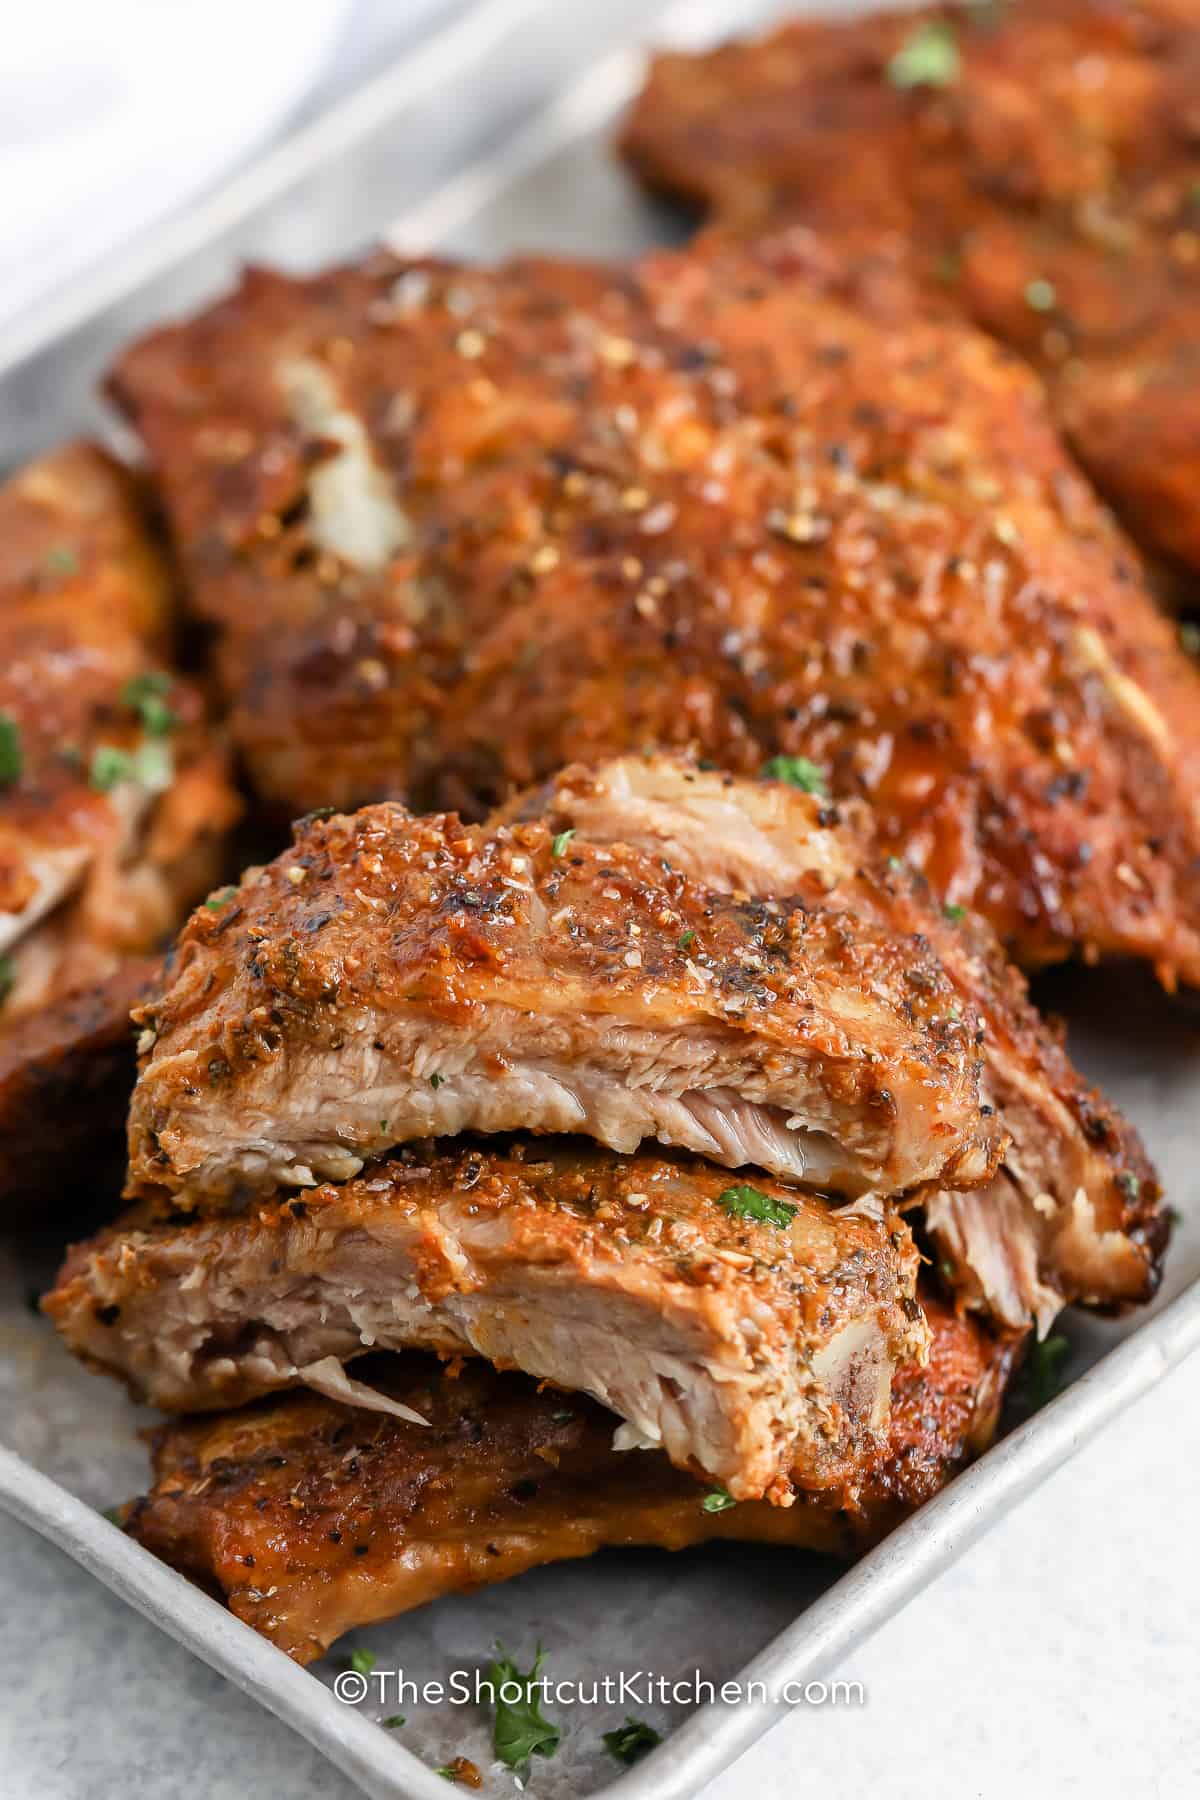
x=749, y=1330
x=393, y=977
x=1033, y=164
x=1074, y=1212
x=457, y=527
x=311, y=1518
x=114, y=803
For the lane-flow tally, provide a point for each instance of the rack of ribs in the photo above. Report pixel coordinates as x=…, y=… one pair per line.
x=457, y=527
x=114, y=804
x=1031, y=166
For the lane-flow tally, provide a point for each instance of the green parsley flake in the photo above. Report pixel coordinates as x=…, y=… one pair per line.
x=952, y=910
x=436, y=1080
x=61, y=560
x=561, y=840
x=687, y=940
x=1041, y=295
x=750, y=1203
x=151, y=766
x=8, y=976
x=447, y=1772
x=1045, y=1370
x=717, y=1500
x=631, y=1741
x=11, y=759
x=928, y=57
x=221, y=898
x=798, y=772
x=519, y=1730
x=394, y=1723
x=146, y=695
x=362, y=1661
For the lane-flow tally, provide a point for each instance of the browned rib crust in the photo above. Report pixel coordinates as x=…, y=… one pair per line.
x=65, y=1076
x=709, y=501
x=1060, y=152
x=311, y=1518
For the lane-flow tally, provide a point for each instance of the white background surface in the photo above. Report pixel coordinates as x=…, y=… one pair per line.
x=1059, y=1658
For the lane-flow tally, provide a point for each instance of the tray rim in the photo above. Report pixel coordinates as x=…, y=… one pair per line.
x=874, y=1589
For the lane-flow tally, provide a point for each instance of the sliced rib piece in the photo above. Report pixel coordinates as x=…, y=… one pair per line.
x=710, y=500
x=114, y=802
x=1041, y=178
x=1074, y=1213
x=748, y=1348
x=394, y=977
x=310, y=1518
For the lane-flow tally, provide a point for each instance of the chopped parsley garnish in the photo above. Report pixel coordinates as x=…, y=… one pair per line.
x=798, y=772
x=687, y=940
x=744, y=1202
x=310, y=818
x=1045, y=1370
x=436, y=1080
x=448, y=1772
x=150, y=766
x=11, y=759
x=718, y=1499
x=8, y=975
x=952, y=910
x=362, y=1661
x=561, y=840
x=520, y=1730
x=61, y=560
x=1129, y=1184
x=927, y=58
x=1041, y=295
x=146, y=695
x=113, y=1514
x=631, y=1741
x=221, y=898
x=394, y=1723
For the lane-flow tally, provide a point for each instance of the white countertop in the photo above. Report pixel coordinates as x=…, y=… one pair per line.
x=1060, y=1656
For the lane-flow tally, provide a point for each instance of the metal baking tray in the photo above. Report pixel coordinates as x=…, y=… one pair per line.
x=489, y=138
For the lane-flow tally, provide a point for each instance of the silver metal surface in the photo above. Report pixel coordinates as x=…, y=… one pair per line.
x=491, y=138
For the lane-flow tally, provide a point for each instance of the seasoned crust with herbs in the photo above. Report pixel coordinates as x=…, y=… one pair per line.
x=456, y=527
x=395, y=976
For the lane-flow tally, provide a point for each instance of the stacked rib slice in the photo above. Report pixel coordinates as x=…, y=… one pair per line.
x=626, y=1089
